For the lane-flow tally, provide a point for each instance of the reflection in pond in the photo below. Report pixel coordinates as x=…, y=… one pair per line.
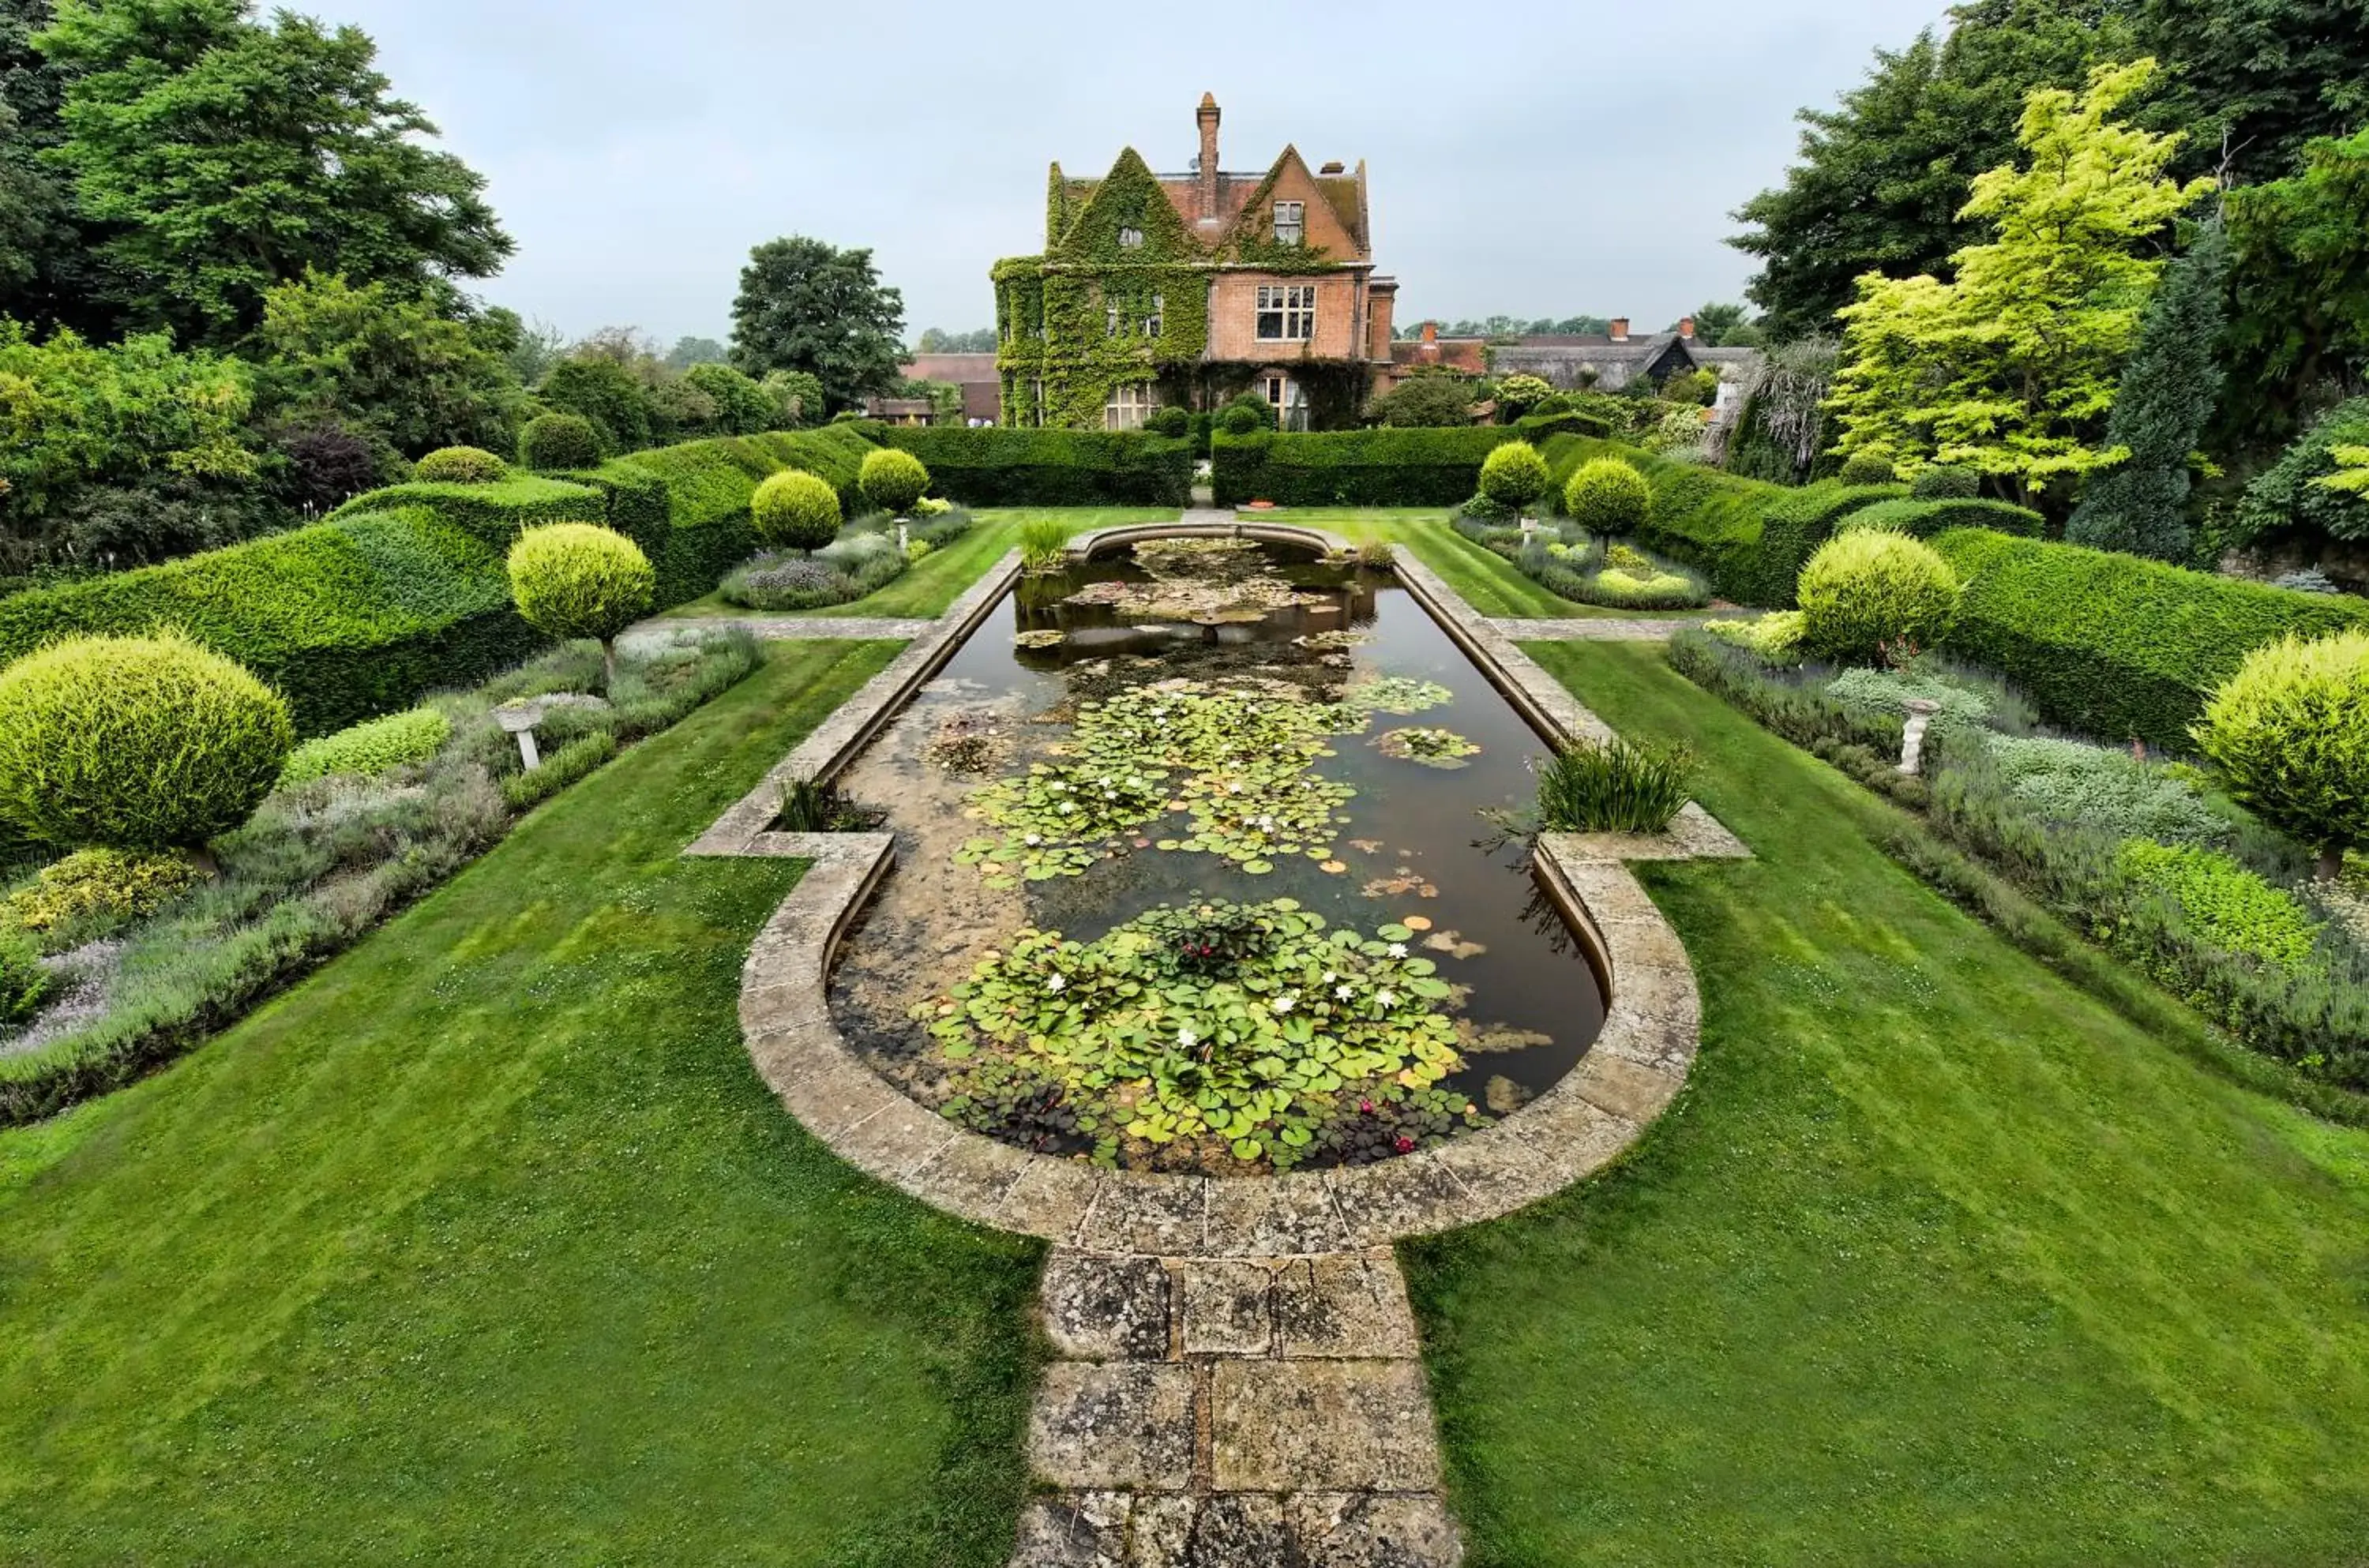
x=1184, y=882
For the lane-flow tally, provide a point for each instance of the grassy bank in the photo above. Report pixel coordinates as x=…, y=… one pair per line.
x=485, y=1244
x=1939, y=1260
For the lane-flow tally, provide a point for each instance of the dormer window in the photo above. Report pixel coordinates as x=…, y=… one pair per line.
x=1130, y=239
x=1290, y=222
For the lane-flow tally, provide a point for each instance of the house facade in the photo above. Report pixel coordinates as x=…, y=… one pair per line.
x=1611, y=360
x=1181, y=290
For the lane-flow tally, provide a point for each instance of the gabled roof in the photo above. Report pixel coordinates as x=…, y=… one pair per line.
x=1237, y=192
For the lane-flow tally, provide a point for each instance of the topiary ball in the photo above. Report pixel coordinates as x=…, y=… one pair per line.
x=1867, y=588
x=795, y=510
x=1514, y=474
x=1242, y=420
x=579, y=579
x=140, y=742
x=1171, y=421
x=1868, y=466
x=461, y=466
x=1944, y=483
x=1607, y=496
x=2290, y=733
x=559, y=441
x=891, y=480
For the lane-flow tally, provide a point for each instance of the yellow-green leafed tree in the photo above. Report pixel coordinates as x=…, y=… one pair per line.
x=2011, y=367
x=2351, y=474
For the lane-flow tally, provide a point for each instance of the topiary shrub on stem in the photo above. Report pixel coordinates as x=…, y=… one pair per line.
x=795, y=510
x=2289, y=732
x=461, y=465
x=136, y=742
x=891, y=480
x=579, y=579
x=1513, y=475
x=1867, y=590
x=1607, y=496
x=559, y=441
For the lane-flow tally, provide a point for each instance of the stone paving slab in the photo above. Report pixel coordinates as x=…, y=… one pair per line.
x=788, y=628
x=1326, y=1426
x=1609, y=629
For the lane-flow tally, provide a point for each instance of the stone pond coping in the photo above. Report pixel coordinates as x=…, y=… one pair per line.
x=1635, y=1068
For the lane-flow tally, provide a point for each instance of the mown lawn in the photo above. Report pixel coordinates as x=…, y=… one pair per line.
x=1937, y=1261
x=487, y=1245
x=937, y=579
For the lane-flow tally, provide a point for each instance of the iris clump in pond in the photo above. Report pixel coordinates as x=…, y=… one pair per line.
x=1253, y=1026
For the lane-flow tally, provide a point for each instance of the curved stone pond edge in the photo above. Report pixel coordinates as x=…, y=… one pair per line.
x=1635, y=1068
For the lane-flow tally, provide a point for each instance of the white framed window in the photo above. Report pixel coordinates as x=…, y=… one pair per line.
x=1288, y=398
x=1131, y=405
x=1130, y=239
x=1290, y=222
x=1286, y=312
x=1159, y=310
x=1038, y=393
x=1110, y=319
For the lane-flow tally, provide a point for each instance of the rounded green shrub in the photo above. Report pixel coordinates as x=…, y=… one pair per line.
x=140, y=742
x=1868, y=466
x=367, y=750
x=1943, y=482
x=2289, y=732
x=794, y=509
x=1865, y=590
x=1608, y=496
x=24, y=979
x=1241, y=420
x=1513, y=475
x=106, y=884
x=579, y=579
x=891, y=480
x=559, y=441
x=1172, y=421
x=461, y=466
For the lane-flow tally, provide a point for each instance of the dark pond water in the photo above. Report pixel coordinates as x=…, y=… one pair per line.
x=1415, y=851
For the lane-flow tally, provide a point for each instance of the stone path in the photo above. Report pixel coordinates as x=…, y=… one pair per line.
x=1210, y=1411
x=790, y=628
x=1624, y=630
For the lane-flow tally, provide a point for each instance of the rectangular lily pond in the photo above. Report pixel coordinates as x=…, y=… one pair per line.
x=1193, y=873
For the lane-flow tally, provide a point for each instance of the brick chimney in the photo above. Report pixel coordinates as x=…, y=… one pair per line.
x=1687, y=327
x=1206, y=117
x=1429, y=352
x=1618, y=329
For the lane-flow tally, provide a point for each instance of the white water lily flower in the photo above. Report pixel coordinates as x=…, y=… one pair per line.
x=1344, y=993
x=1056, y=983
x=1330, y=977
x=1067, y=808
x=1398, y=949
x=1032, y=840
x=1186, y=1037
x=1386, y=998
x=1284, y=1004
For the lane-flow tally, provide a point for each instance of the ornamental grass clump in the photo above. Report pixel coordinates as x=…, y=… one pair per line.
x=1614, y=786
x=25, y=980
x=1044, y=544
x=1605, y=495
x=1513, y=476
x=892, y=480
x=794, y=509
x=136, y=742
x=461, y=466
x=2289, y=732
x=1868, y=592
x=579, y=579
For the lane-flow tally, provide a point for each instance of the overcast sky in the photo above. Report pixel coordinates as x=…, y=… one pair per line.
x=1531, y=157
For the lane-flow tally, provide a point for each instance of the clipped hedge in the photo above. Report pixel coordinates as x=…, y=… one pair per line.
x=704, y=488
x=994, y=466
x=1536, y=428
x=1396, y=466
x=2111, y=644
x=349, y=618
x=496, y=513
x=1795, y=523
x=1923, y=520
x=1702, y=516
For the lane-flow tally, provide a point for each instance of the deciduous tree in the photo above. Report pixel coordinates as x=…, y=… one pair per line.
x=2011, y=368
x=806, y=305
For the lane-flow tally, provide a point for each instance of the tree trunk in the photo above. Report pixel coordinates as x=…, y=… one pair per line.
x=203, y=857
x=609, y=668
x=2331, y=863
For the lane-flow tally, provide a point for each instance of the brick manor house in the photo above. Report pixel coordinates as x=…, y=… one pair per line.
x=1158, y=290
